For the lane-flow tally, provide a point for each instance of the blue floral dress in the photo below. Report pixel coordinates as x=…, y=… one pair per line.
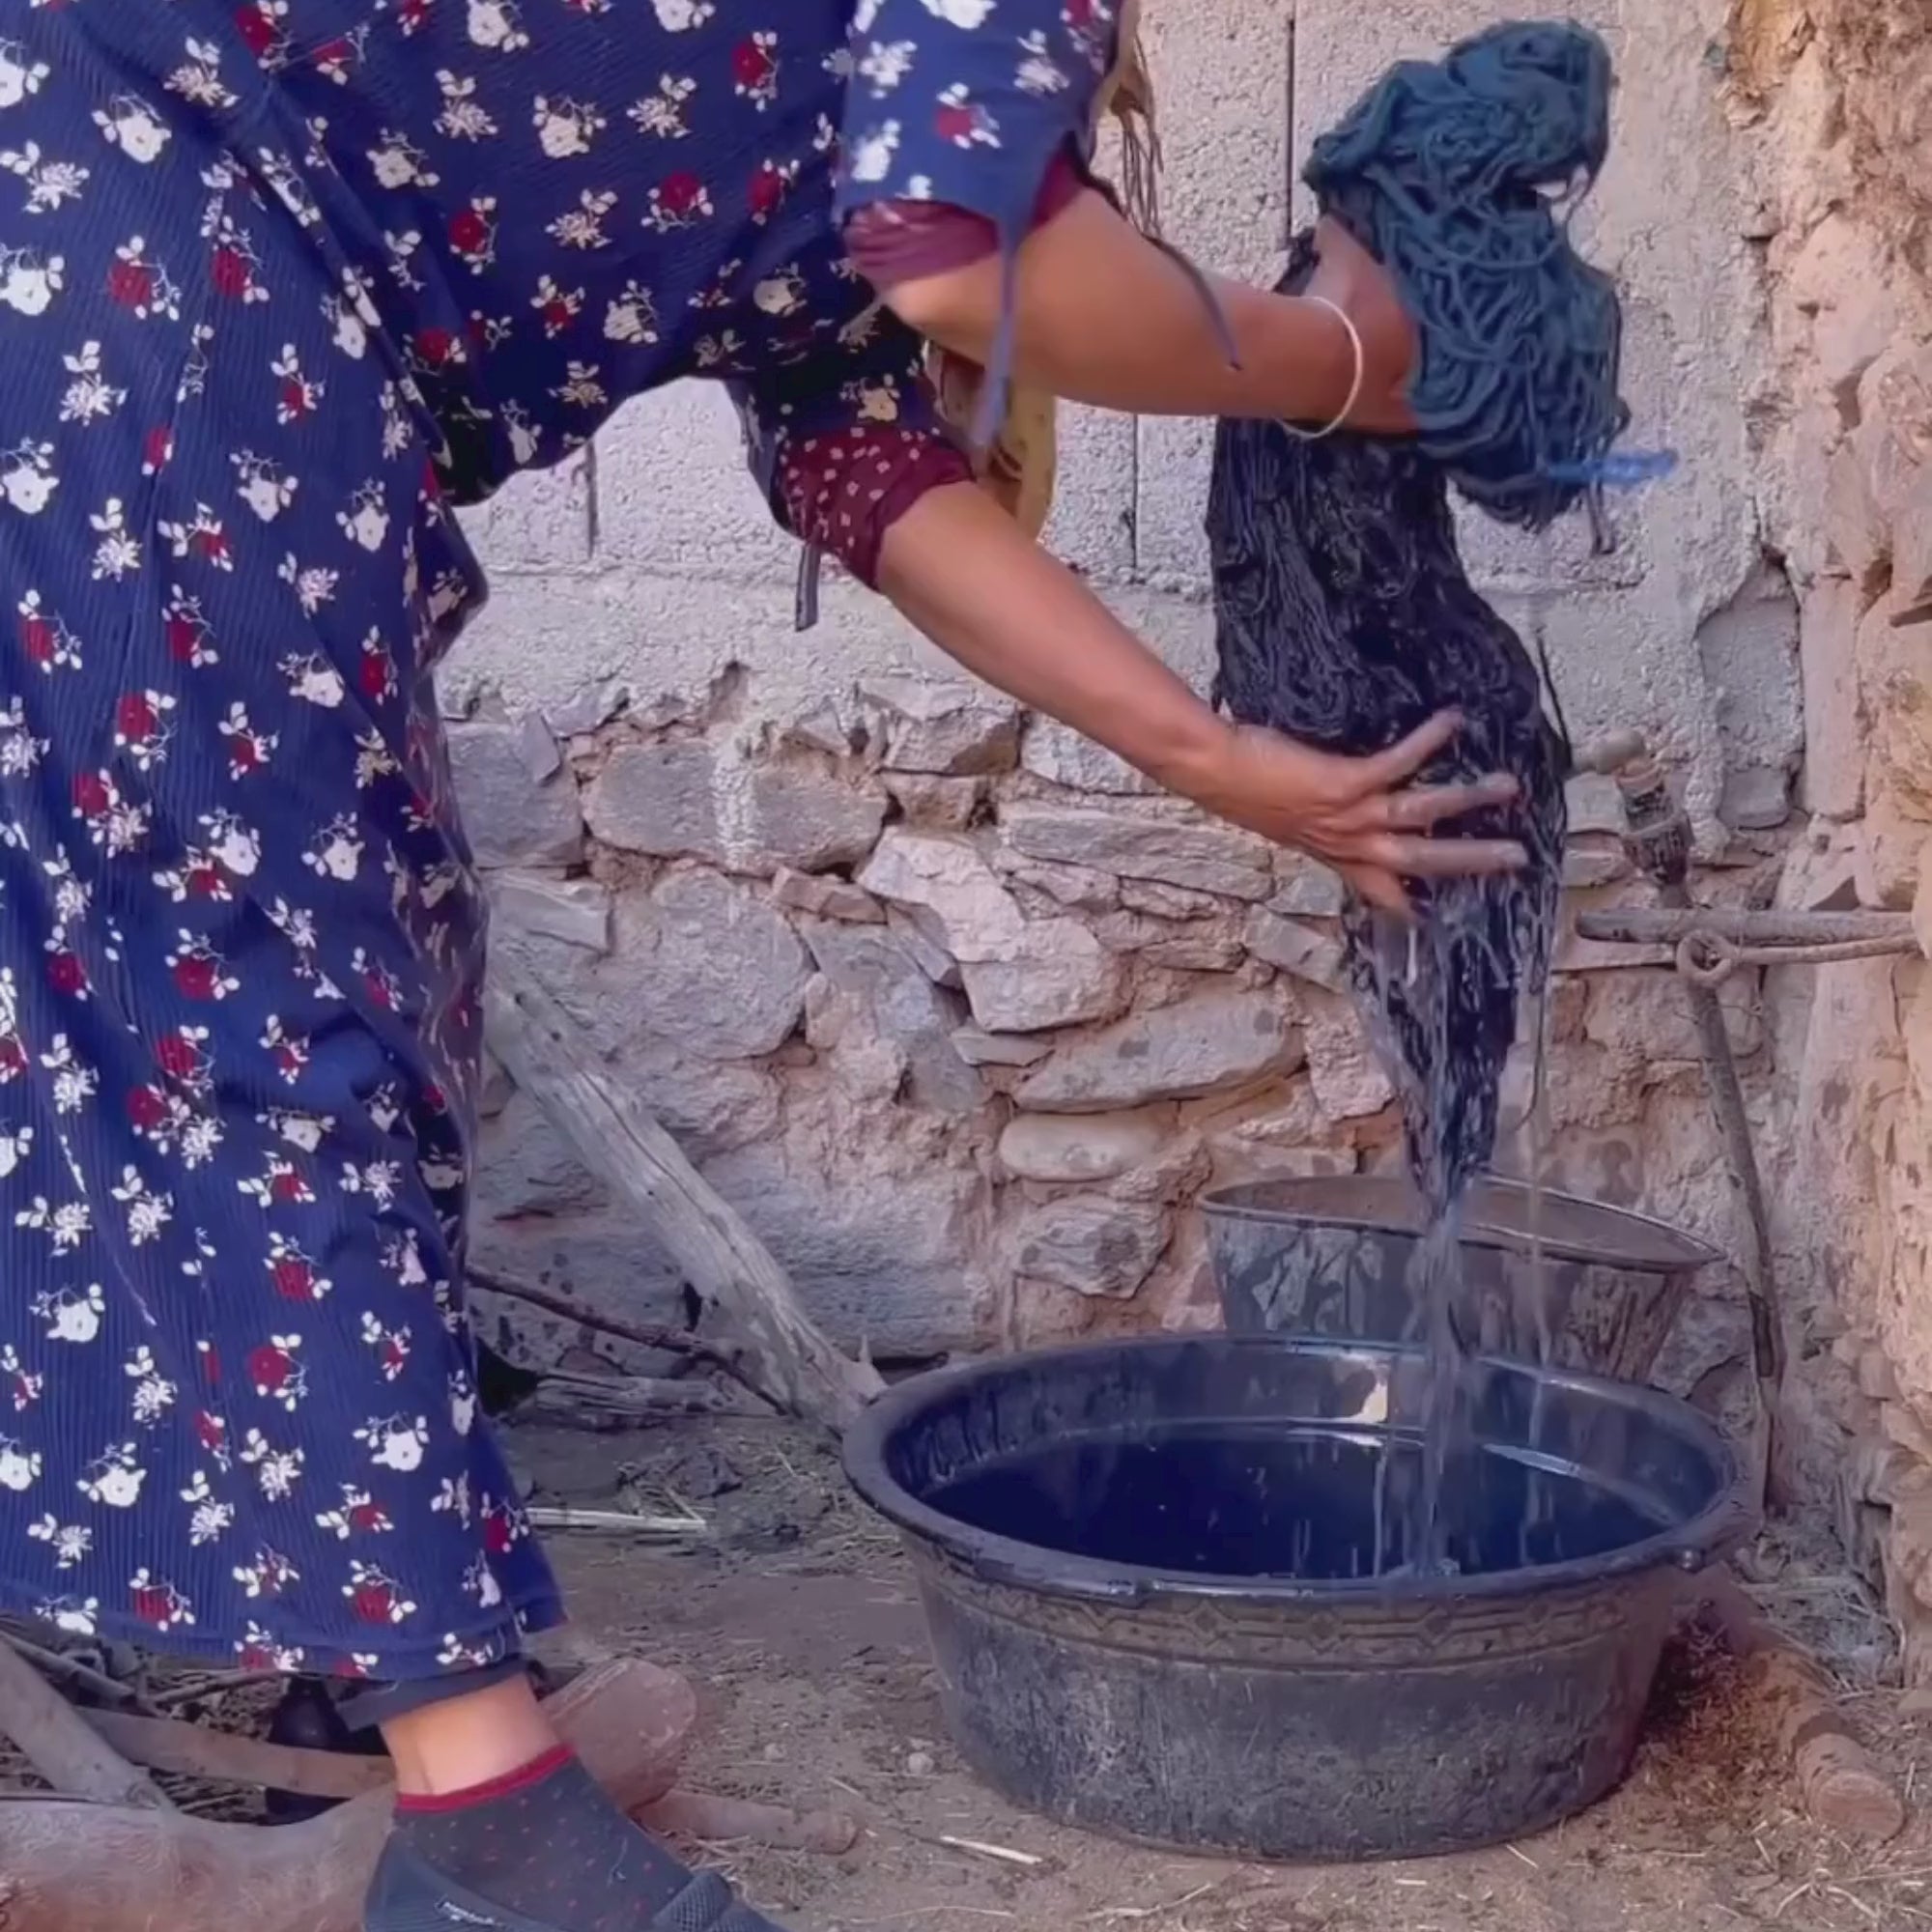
x=279, y=283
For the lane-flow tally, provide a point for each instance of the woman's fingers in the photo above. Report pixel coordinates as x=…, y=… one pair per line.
x=1381, y=888
x=1445, y=857
x=1390, y=770
x=1421, y=807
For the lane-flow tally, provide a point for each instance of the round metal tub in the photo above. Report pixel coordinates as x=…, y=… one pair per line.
x=1149, y=1572
x=1330, y=1257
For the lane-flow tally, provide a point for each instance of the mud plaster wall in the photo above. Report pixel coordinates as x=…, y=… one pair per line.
x=1833, y=106
x=961, y=1018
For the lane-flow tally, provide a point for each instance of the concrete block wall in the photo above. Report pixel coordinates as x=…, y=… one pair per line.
x=872, y=942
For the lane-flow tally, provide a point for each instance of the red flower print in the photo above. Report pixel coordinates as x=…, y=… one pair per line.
x=91, y=795
x=270, y=1368
x=197, y=976
x=153, y=1603
x=134, y=717
x=146, y=1108
x=294, y=1278
x=132, y=284
x=469, y=231
x=232, y=275
x=755, y=68
x=66, y=974
x=374, y=1600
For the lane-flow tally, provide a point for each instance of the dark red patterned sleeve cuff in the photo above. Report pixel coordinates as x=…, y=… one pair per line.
x=895, y=242
x=844, y=490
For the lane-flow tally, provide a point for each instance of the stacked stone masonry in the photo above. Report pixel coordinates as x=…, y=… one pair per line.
x=963, y=1017
x=1831, y=104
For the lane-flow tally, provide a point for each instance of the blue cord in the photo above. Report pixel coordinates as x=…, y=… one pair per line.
x=1461, y=178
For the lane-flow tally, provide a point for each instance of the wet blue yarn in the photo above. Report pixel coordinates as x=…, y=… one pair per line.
x=1458, y=175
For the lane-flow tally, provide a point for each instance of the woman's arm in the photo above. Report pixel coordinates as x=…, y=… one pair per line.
x=990, y=597
x=1105, y=317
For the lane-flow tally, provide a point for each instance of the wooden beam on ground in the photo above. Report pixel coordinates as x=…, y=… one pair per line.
x=63, y=1747
x=1839, y=1783
x=80, y=1868
x=791, y=1360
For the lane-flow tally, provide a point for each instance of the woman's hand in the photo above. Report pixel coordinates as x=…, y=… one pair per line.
x=1348, y=275
x=1361, y=815
x=990, y=597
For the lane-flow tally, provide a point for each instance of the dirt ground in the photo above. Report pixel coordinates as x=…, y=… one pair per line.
x=795, y=1617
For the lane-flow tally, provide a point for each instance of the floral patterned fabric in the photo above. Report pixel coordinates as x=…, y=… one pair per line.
x=278, y=283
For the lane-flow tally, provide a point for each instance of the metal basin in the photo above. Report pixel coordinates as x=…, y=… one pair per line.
x=1331, y=1257
x=1150, y=1572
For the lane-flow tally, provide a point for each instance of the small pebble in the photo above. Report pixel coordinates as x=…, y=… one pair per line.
x=918, y=1764
x=774, y=1753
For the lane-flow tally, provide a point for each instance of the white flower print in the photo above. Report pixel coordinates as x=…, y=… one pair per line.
x=885, y=64
x=90, y=398
x=72, y=1542
x=154, y=1394
x=397, y=163
x=873, y=153
x=147, y=1213
x=662, y=113
x=19, y=1466
x=50, y=185
x=277, y=1472
x=27, y=476
x=1039, y=74
x=128, y=123
x=198, y=78
x=463, y=118
x=582, y=387
x=116, y=553
x=497, y=25
x=314, y=585
x=29, y=281
x=65, y=1227
x=967, y=13
x=114, y=1477
x=565, y=127
x=74, y=1082
x=263, y=485
x=582, y=226
x=20, y=74
x=395, y=1442
x=678, y=16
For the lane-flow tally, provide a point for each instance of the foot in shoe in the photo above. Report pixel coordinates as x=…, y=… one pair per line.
x=543, y=1850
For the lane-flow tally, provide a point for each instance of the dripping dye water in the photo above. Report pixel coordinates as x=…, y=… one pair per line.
x=1414, y=985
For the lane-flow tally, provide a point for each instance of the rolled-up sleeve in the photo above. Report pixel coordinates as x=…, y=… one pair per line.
x=969, y=102
x=844, y=445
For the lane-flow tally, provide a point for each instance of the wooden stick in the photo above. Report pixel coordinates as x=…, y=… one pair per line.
x=644, y=1334
x=1840, y=1782
x=615, y=1523
x=698, y=1814
x=561, y=1395
x=724, y=1263
x=77, y=1867
x=59, y=1665
x=56, y=1740
x=170, y=1744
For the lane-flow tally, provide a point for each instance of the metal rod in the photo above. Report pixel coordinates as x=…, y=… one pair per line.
x=1663, y=925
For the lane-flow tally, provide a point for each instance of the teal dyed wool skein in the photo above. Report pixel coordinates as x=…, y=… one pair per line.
x=1459, y=176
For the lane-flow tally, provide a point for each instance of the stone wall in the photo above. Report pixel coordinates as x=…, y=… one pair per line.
x=1833, y=103
x=939, y=995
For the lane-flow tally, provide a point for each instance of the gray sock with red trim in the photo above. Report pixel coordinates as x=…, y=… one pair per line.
x=542, y=1850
